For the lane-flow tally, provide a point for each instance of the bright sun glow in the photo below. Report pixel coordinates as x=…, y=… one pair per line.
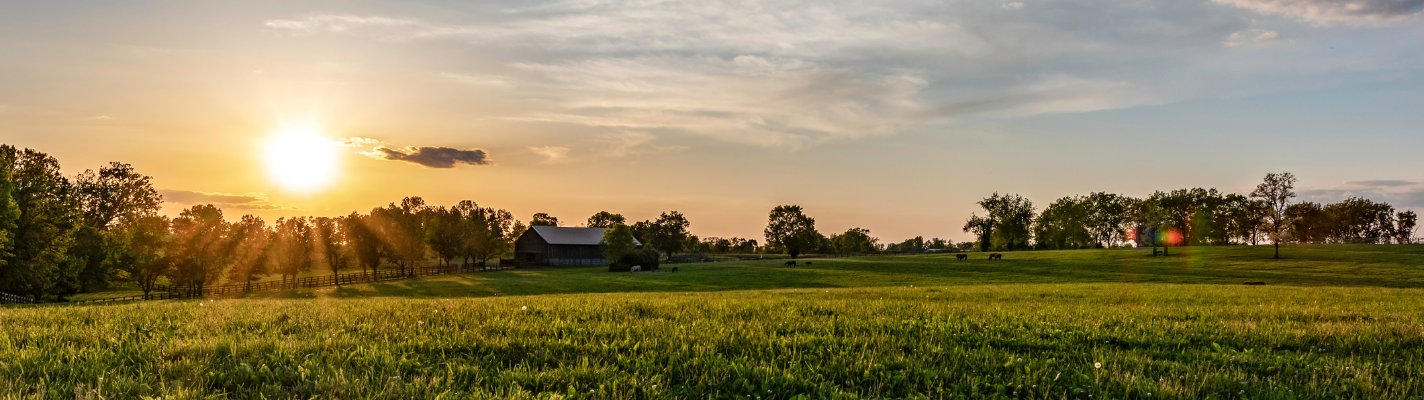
x=301, y=160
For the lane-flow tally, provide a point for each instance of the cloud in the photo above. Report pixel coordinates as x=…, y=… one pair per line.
x=1328, y=12
x=1250, y=37
x=1402, y=194
x=433, y=157
x=551, y=154
x=1013, y=5
x=250, y=201
x=428, y=156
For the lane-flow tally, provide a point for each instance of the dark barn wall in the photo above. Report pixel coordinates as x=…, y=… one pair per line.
x=530, y=249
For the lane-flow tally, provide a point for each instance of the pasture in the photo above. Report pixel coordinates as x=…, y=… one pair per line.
x=1331, y=322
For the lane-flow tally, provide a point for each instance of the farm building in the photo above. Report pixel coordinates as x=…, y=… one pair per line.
x=553, y=245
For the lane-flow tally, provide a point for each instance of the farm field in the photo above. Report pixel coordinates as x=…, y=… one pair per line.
x=1331, y=322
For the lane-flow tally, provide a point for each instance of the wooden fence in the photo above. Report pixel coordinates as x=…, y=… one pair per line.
x=172, y=293
x=6, y=298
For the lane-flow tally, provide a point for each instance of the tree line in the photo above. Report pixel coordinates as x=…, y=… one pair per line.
x=61, y=235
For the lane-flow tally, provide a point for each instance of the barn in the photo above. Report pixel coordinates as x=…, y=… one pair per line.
x=555, y=245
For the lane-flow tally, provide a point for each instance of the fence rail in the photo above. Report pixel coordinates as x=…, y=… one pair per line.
x=6, y=298
x=173, y=293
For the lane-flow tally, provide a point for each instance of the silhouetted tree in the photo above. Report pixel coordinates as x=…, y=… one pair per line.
x=1008, y=223
x=1276, y=190
x=1064, y=225
x=854, y=241
x=791, y=230
x=363, y=241
x=617, y=242
x=293, y=249
x=115, y=193
x=1405, y=222
x=250, y=245
x=604, y=219
x=543, y=219
x=329, y=244
x=668, y=234
x=443, y=232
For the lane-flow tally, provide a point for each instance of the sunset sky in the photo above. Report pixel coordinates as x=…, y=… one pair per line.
x=892, y=116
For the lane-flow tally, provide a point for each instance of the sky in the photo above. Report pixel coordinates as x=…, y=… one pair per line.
x=892, y=116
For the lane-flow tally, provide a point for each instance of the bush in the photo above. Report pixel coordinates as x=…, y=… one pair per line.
x=647, y=258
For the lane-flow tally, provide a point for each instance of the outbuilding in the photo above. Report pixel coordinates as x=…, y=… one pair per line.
x=555, y=245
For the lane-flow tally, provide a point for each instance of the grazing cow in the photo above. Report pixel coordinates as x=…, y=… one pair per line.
x=1255, y=283
x=808, y=263
x=635, y=268
x=961, y=257
x=996, y=256
x=674, y=269
x=791, y=263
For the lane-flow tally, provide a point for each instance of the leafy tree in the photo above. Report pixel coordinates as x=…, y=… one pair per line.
x=854, y=241
x=250, y=249
x=40, y=218
x=1107, y=217
x=401, y=232
x=604, y=219
x=293, y=248
x=140, y=250
x=668, y=234
x=443, y=232
x=543, y=219
x=1007, y=225
x=199, y=238
x=115, y=193
x=1359, y=220
x=493, y=235
x=1276, y=190
x=1306, y=222
x=1064, y=225
x=1404, y=226
x=363, y=241
x=329, y=244
x=617, y=242
x=791, y=230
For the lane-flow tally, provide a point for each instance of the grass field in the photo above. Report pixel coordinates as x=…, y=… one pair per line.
x=1332, y=322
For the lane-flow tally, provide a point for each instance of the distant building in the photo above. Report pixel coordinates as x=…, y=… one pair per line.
x=554, y=245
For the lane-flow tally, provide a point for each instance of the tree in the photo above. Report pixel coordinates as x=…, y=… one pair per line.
x=543, y=219
x=140, y=250
x=1007, y=225
x=363, y=242
x=1359, y=220
x=604, y=219
x=1064, y=225
x=1276, y=190
x=1107, y=217
x=40, y=217
x=791, y=230
x=442, y=232
x=116, y=193
x=1404, y=226
x=617, y=242
x=493, y=233
x=401, y=232
x=199, y=238
x=330, y=244
x=854, y=241
x=293, y=248
x=250, y=246
x=668, y=234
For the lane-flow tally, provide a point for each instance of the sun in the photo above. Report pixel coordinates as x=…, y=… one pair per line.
x=301, y=160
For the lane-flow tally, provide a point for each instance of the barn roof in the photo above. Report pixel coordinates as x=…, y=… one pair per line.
x=570, y=235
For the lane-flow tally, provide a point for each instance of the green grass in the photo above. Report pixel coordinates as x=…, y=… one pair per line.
x=1333, y=322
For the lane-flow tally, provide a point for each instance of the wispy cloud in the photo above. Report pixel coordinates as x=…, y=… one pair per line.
x=249, y=201
x=1403, y=194
x=1251, y=37
x=1326, y=12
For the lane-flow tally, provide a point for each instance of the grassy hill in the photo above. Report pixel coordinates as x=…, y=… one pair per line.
x=1332, y=322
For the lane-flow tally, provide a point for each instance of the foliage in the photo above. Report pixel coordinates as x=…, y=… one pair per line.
x=617, y=241
x=854, y=241
x=667, y=234
x=789, y=229
x=1064, y=225
x=543, y=219
x=1276, y=190
x=1007, y=225
x=199, y=242
x=604, y=219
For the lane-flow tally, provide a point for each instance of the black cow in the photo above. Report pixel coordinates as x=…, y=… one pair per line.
x=791, y=263
x=961, y=257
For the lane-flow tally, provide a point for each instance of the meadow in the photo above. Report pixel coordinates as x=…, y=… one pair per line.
x=1330, y=322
